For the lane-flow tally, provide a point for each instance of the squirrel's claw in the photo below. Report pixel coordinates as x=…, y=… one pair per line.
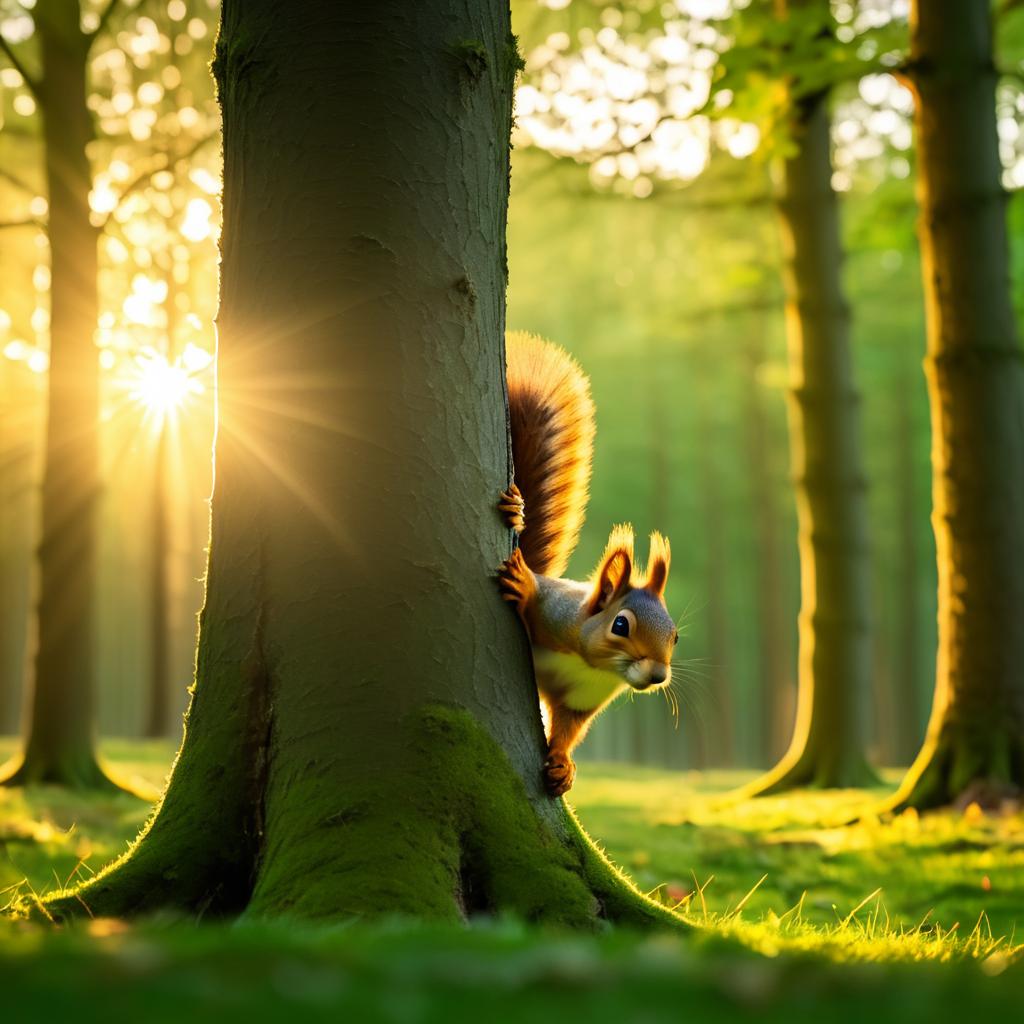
x=559, y=774
x=512, y=509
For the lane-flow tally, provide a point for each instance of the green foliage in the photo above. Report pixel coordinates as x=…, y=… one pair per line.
x=770, y=63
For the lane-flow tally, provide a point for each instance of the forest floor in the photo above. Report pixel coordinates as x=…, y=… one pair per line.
x=803, y=918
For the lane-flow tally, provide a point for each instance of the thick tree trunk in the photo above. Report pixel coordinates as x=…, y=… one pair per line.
x=975, y=737
x=60, y=741
x=835, y=657
x=364, y=736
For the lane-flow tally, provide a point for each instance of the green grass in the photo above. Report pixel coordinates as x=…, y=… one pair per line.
x=945, y=870
x=815, y=940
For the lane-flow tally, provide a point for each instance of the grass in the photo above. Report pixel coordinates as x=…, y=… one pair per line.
x=804, y=919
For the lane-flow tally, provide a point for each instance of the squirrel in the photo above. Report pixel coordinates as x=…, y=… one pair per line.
x=591, y=641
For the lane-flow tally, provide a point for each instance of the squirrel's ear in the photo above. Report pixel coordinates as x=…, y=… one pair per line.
x=611, y=579
x=658, y=565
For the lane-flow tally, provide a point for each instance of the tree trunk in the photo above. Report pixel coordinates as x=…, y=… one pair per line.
x=715, y=569
x=364, y=737
x=774, y=675
x=906, y=717
x=18, y=453
x=158, y=715
x=835, y=656
x=975, y=736
x=60, y=742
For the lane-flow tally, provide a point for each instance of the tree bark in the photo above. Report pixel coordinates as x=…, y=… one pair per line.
x=721, y=720
x=975, y=739
x=835, y=642
x=774, y=675
x=158, y=714
x=60, y=726
x=18, y=451
x=907, y=691
x=364, y=737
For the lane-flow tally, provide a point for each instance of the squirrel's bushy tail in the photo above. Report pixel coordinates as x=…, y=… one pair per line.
x=552, y=420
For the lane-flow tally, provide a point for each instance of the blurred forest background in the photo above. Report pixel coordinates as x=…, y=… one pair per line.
x=642, y=237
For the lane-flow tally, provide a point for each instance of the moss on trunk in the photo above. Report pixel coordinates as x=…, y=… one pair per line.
x=444, y=830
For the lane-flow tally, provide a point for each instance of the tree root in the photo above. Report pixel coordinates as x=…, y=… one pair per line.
x=446, y=833
x=805, y=767
x=958, y=766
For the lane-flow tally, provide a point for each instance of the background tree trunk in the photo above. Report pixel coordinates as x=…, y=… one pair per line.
x=18, y=489
x=774, y=670
x=719, y=747
x=908, y=667
x=158, y=714
x=975, y=736
x=60, y=741
x=835, y=654
x=364, y=736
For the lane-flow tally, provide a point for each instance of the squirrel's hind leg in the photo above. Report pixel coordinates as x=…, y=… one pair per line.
x=567, y=729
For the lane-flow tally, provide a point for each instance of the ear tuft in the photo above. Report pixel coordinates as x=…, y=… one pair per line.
x=658, y=565
x=611, y=579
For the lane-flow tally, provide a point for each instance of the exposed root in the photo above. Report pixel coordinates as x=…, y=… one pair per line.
x=77, y=772
x=447, y=833
x=805, y=767
x=958, y=767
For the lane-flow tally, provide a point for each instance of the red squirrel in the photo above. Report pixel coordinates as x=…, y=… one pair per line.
x=591, y=641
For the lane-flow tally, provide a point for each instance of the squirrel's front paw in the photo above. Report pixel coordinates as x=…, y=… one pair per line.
x=559, y=773
x=516, y=581
x=512, y=509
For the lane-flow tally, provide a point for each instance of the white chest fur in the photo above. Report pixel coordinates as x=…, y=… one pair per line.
x=572, y=681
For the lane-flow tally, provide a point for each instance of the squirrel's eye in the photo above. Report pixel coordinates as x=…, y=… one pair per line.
x=620, y=627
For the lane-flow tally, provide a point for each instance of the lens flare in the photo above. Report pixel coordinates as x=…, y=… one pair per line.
x=160, y=386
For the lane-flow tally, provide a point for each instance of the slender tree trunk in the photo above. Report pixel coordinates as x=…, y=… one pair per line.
x=60, y=741
x=908, y=641
x=158, y=713
x=835, y=650
x=975, y=740
x=715, y=567
x=18, y=453
x=774, y=674
x=364, y=736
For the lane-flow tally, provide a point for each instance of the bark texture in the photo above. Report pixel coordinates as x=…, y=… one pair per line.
x=835, y=631
x=158, y=714
x=60, y=707
x=364, y=736
x=775, y=673
x=975, y=738
x=720, y=751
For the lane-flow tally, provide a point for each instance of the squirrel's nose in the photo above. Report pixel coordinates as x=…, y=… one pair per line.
x=657, y=675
